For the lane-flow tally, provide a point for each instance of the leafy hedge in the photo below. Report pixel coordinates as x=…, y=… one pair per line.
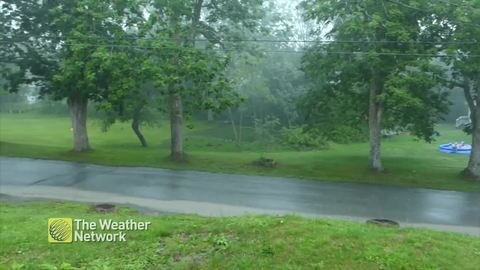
x=300, y=139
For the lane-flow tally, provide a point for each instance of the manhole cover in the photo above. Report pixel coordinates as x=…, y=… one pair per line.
x=104, y=207
x=383, y=222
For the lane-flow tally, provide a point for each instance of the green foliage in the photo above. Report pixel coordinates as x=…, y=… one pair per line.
x=108, y=52
x=389, y=49
x=270, y=84
x=11, y=74
x=7, y=97
x=412, y=107
x=329, y=112
x=68, y=51
x=266, y=128
x=140, y=103
x=221, y=241
x=180, y=64
x=346, y=134
x=247, y=242
x=269, y=80
x=461, y=39
x=197, y=75
x=300, y=139
x=266, y=131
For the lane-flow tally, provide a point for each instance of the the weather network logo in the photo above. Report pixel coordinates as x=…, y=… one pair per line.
x=60, y=230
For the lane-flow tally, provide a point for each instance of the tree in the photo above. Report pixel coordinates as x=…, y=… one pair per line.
x=265, y=70
x=70, y=49
x=19, y=56
x=463, y=19
x=188, y=78
x=192, y=74
x=139, y=105
x=7, y=46
x=375, y=65
x=132, y=96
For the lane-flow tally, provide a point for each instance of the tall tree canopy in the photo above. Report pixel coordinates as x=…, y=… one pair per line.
x=106, y=51
x=463, y=41
x=267, y=72
x=72, y=50
x=188, y=61
x=372, y=62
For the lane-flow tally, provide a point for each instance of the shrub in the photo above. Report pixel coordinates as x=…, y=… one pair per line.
x=300, y=139
x=346, y=134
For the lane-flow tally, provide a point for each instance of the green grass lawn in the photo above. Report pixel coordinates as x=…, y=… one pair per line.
x=249, y=242
x=408, y=162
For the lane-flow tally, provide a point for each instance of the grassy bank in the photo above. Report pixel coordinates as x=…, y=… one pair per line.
x=210, y=148
x=261, y=242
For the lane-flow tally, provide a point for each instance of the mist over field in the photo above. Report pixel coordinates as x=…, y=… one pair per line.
x=243, y=112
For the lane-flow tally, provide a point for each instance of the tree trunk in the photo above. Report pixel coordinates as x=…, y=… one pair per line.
x=209, y=115
x=176, y=128
x=473, y=167
x=375, y=127
x=232, y=121
x=78, y=115
x=240, y=125
x=136, y=129
x=176, y=106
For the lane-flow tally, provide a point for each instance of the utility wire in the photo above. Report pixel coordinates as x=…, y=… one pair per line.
x=406, y=5
x=275, y=41
x=172, y=49
x=456, y=5
x=452, y=4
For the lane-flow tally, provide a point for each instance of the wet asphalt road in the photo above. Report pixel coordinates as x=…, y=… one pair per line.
x=268, y=193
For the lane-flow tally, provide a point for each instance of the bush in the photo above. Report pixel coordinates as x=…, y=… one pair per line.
x=300, y=139
x=347, y=134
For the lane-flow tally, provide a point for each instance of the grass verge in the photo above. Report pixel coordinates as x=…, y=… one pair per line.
x=249, y=242
x=408, y=162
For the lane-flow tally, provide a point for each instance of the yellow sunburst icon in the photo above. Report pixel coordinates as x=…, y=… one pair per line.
x=60, y=230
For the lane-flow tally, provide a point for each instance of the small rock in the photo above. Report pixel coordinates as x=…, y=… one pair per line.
x=383, y=222
x=265, y=162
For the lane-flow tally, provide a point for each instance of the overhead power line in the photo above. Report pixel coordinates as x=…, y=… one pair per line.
x=312, y=41
x=381, y=53
x=173, y=49
x=451, y=4
x=406, y=5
